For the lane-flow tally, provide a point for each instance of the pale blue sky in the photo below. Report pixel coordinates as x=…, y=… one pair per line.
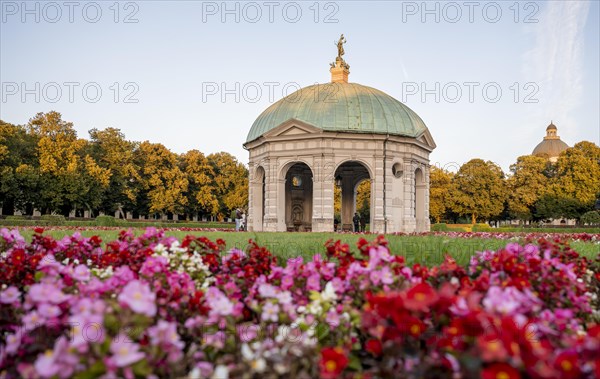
x=178, y=49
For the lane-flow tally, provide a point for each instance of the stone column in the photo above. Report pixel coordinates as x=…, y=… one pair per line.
x=270, y=222
x=348, y=202
x=280, y=199
x=410, y=220
x=323, y=182
x=250, y=216
x=426, y=221
x=378, y=216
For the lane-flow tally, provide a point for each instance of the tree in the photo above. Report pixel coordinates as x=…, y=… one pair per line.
x=230, y=182
x=113, y=152
x=439, y=191
x=363, y=199
x=69, y=178
x=478, y=190
x=552, y=206
x=529, y=181
x=590, y=218
x=578, y=175
x=163, y=181
x=17, y=148
x=201, y=193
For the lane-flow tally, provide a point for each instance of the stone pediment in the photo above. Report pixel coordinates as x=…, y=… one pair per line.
x=292, y=127
x=427, y=139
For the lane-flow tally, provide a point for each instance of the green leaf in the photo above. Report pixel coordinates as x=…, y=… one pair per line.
x=38, y=276
x=94, y=371
x=141, y=368
x=354, y=363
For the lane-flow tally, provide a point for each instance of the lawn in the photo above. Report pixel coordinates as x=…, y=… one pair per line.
x=428, y=250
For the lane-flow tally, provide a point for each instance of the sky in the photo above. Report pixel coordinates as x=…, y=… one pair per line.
x=486, y=77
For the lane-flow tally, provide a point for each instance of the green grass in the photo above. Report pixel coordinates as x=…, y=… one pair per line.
x=428, y=250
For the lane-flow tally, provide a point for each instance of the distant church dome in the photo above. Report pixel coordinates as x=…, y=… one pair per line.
x=341, y=107
x=551, y=146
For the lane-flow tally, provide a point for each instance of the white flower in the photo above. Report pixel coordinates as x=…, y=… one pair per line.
x=247, y=353
x=284, y=297
x=258, y=365
x=329, y=293
x=194, y=374
x=175, y=247
x=221, y=372
x=160, y=248
x=315, y=308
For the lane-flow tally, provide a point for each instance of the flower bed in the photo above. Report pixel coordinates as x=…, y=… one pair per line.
x=152, y=306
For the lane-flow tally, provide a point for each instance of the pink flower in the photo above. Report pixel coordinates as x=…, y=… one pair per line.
x=510, y=300
x=219, y=304
x=59, y=362
x=10, y=295
x=153, y=265
x=164, y=334
x=333, y=318
x=46, y=365
x=287, y=282
x=313, y=283
x=32, y=320
x=378, y=254
x=270, y=312
x=266, y=290
x=49, y=310
x=284, y=297
x=13, y=341
x=49, y=264
x=45, y=292
x=375, y=277
x=81, y=273
x=124, y=351
x=387, y=277
x=124, y=274
x=139, y=298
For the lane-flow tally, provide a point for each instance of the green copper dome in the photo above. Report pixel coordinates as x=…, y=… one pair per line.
x=341, y=107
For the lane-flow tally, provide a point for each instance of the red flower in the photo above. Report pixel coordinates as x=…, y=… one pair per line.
x=566, y=363
x=491, y=347
x=420, y=297
x=95, y=240
x=17, y=257
x=374, y=347
x=408, y=324
x=38, y=230
x=333, y=362
x=500, y=371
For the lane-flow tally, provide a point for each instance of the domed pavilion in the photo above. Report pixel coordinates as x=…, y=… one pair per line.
x=338, y=134
x=551, y=146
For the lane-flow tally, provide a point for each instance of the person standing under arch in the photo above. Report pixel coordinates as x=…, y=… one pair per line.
x=356, y=222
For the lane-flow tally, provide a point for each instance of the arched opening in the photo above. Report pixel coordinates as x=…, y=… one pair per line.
x=258, y=212
x=352, y=178
x=298, y=198
x=419, y=201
